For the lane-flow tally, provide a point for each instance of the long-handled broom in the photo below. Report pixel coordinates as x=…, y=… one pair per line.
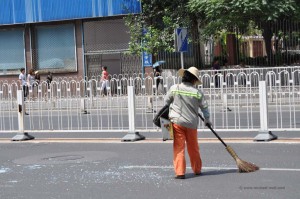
x=244, y=167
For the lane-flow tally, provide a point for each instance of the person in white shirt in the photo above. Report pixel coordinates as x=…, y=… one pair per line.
x=23, y=82
x=104, y=80
x=32, y=84
x=31, y=78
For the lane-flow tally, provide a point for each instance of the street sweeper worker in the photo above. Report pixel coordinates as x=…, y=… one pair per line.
x=185, y=100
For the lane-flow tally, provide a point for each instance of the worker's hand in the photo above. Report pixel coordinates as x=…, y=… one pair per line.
x=207, y=122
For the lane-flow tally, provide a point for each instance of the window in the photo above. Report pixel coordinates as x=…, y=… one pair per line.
x=12, y=55
x=55, y=47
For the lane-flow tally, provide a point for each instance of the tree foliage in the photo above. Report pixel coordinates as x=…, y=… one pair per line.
x=229, y=15
x=158, y=20
x=160, y=17
x=217, y=15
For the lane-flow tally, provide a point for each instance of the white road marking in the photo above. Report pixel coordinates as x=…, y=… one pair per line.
x=206, y=168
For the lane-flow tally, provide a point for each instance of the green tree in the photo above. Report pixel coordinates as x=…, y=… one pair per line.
x=159, y=19
x=217, y=15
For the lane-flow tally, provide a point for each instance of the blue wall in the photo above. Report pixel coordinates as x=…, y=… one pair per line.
x=32, y=11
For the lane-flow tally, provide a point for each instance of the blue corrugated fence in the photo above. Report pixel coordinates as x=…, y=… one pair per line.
x=32, y=11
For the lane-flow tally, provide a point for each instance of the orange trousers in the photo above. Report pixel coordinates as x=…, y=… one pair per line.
x=186, y=135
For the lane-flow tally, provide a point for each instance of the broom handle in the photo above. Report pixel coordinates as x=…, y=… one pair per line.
x=212, y=130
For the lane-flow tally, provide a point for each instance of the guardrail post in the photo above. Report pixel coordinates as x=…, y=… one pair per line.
x=224, y=95
x=83, y=102
x=264, y=133
x=21, y=112
x=149, y=105
x=132, y=135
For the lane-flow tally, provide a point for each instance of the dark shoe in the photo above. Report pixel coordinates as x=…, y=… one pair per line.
x=197, y=174
x=180, y=177
x=26, y=113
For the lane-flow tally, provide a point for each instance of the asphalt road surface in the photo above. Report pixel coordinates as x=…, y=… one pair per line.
x=39, y=170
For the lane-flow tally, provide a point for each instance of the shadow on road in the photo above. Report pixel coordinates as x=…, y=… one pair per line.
x=209, y=173
x=219, y=172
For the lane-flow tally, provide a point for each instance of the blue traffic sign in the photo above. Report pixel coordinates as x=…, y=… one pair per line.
x=181, y=37
x=147, y=59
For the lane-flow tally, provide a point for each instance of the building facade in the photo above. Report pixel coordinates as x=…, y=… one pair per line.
x=70, y=38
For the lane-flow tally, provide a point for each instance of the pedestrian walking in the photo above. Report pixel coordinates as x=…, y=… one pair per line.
x=23, y=82
x=157, y=72
x=104, y=80
x=31, y=80
x=185, y=100
x=49, y=79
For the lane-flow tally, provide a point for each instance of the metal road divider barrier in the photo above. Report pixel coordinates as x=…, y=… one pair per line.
x=22, y=135
x=78, y=105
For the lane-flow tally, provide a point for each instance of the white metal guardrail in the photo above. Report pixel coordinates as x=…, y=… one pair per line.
x=77, y=105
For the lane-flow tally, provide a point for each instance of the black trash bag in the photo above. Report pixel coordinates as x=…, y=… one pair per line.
x=164, y=113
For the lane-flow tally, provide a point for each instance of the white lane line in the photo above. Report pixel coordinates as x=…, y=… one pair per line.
x=206, y=168
x=279, y=169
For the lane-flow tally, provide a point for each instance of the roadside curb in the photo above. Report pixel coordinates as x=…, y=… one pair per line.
x=150, y=140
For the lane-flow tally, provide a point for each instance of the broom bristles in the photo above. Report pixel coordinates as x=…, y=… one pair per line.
x=244, y=167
